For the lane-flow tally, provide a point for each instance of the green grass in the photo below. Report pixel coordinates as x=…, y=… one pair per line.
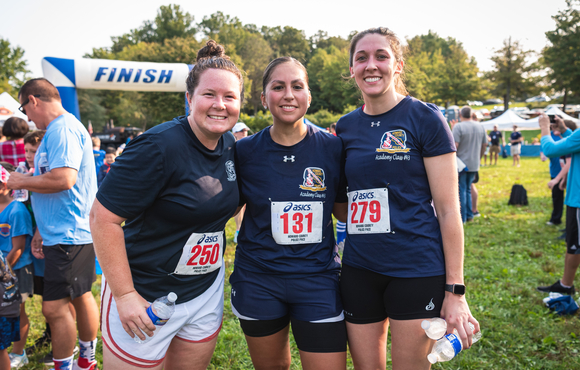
x=508, y=252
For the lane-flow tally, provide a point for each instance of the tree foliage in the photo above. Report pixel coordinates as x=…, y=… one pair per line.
x=513, y=74
x=12, y=68
x=440, y=70
x=563, y=55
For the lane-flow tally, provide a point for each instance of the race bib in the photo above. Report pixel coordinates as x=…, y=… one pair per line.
x=201, y=254
x=297, y=222
x=368, y=211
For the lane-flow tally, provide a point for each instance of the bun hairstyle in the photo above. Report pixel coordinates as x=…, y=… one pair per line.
x=395, y=46
x=212, y=56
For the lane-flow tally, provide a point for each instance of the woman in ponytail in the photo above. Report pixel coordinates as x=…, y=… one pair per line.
x=175, y=188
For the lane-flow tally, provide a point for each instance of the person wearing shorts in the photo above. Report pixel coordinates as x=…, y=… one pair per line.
x=175, y=188
x=516, y=139
x=495, y=136
x=400, y=259
x=63, y=188
x=568, y=145
x=287, y=267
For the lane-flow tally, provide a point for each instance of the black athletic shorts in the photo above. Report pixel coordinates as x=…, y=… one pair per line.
x=69, y=272
x=369, y=297
x=572, y=240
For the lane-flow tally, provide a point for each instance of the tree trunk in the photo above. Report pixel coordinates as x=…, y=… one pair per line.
x=565, y=99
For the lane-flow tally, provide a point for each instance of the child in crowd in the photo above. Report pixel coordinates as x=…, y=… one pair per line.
x=15, y=237
x=110, y=156
x=9, y=311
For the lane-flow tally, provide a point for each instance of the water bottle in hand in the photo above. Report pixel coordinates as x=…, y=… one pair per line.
x=159, y=312
x=449, y=346
x=435, y=328
x=22, y=194
x=43, y=166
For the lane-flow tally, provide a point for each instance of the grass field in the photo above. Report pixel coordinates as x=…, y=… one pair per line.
x=508, y=252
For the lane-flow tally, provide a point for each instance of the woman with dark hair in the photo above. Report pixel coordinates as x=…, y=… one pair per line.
x=12, y=150
x=175, y=188
x=287, y=267
x=402, y=262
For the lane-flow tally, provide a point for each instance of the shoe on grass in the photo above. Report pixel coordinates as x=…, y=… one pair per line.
x=558, y=288
x=476, y=214
x=17, y=361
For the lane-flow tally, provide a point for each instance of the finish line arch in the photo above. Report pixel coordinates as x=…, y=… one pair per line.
x=104, y=74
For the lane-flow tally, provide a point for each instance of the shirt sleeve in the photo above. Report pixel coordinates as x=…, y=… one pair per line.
x=568, y=145
x=21, y=221
x=435, y=136
x=64, y=148
x=135, y=180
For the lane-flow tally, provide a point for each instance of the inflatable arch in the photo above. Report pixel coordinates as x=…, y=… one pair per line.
x=104, y=74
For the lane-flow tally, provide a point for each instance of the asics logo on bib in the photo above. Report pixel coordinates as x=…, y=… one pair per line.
x=297, y=207
x=208, y=239
x=361, y=196
x=373, y=124
x=291, y=158
x=430, y=306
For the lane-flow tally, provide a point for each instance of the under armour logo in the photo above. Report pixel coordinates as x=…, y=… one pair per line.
x=286, y=158
x=373, y=124
x=234, y=292
x=430, y=306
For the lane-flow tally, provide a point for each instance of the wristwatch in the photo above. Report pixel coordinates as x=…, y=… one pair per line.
x=458, y=289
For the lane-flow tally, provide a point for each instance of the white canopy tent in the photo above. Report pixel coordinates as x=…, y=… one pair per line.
x=9, y=108
x=555, y=111
x=505, y=121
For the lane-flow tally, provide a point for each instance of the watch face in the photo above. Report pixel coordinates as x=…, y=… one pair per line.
x=459, y=289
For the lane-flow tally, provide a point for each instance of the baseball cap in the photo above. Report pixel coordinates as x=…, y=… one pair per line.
x=240, y=126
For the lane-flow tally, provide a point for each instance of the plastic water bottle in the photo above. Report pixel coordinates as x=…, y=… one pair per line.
x=449, y=346
x=159, y=312
x=435, y=328
x=43, y=164
x=22, y=194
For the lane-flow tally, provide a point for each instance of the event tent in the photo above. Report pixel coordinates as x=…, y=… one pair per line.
x=9, y=107
x=505, y=121
x=555, y=111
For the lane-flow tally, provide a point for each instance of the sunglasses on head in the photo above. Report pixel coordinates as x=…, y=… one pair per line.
x=21, y=107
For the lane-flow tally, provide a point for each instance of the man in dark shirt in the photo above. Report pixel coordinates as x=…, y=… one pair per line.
x=495, y=137
x=516, y=140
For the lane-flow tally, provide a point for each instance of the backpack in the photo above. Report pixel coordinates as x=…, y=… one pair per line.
x=519, y=196
x=504, y=153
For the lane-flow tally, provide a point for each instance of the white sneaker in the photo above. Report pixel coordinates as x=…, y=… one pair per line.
x=17, y=361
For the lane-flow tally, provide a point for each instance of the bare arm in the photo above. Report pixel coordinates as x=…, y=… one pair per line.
x=109, y=242
x=58, y=179
x=340, y=211
x=442, y=175
x=18, y=244
x=482, y=151
x=36, y=245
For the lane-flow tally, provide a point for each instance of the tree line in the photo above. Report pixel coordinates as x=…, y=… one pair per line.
x=438, y=70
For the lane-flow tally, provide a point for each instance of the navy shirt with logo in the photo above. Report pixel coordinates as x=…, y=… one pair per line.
x=309, y=171
x=168, y=186
x=495, y=137
x=387, y=150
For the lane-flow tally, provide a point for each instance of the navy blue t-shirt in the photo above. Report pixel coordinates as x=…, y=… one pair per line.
x=170, y=186
x=282, y=186
x=387, y=151
x=514, y=136
x=495, y=137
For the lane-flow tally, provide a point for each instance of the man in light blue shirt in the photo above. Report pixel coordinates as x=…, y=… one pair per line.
x=63, y=189
x=570, y=144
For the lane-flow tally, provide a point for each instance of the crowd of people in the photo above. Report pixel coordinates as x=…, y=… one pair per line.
x=394, y=174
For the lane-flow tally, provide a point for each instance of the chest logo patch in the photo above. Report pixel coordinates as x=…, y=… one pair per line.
x=313, y=179
x=231, y=170
x=394, y=142
x=5, y=230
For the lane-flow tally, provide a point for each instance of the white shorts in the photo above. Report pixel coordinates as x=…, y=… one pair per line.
x=196, y=321
x=516, y=150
